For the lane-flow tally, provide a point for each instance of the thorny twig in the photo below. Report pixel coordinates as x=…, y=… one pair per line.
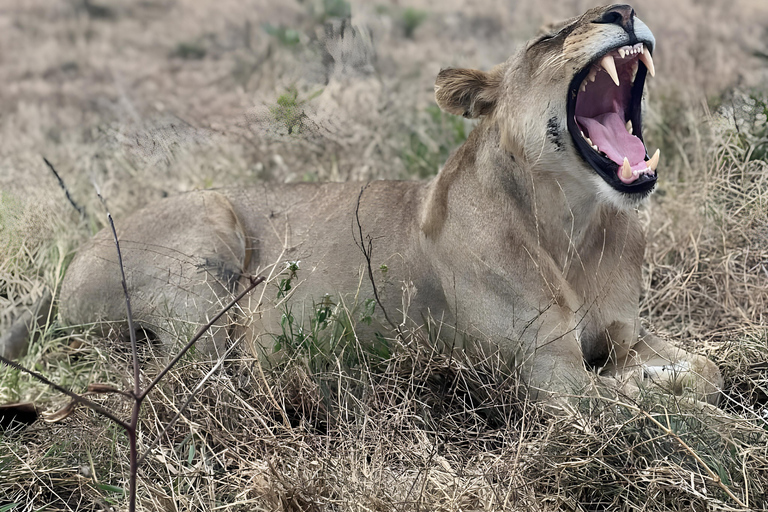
x=368, y=253
x=188, y=400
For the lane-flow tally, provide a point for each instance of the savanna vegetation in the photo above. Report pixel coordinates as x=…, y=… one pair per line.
x=142, y=100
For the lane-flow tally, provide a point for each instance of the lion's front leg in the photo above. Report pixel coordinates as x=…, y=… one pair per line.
x=551, y=362
x=655, y=361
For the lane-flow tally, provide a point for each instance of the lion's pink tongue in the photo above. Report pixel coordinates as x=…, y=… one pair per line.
x=612, y=138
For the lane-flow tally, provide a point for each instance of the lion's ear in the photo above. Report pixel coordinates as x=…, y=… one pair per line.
x=467, y=92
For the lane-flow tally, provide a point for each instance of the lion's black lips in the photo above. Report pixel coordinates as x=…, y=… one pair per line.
x=627, y=99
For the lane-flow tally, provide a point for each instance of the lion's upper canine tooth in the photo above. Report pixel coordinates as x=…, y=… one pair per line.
x=648, y=61
x=654, y=161
x=626, y=169
x=610, y=67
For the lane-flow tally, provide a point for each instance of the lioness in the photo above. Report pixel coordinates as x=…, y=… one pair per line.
x=527, y=240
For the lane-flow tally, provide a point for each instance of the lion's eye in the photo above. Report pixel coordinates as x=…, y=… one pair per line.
x=541, y=39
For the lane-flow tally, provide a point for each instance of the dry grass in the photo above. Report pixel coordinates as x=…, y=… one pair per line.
x=153, y=98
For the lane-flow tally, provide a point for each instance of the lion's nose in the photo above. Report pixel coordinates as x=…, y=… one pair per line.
x=621, y=15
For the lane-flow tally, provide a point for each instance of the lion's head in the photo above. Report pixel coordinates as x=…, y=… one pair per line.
x=584, y=77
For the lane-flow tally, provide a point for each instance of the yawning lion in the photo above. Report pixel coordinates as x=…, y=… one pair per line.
x=526, y=241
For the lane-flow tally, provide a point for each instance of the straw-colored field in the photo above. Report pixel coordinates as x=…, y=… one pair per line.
x=144, y=99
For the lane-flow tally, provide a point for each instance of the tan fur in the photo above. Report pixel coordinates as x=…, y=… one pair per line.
x=514, y=245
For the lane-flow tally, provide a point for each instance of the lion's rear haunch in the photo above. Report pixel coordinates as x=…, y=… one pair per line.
x=182, y=258
x=526, y=242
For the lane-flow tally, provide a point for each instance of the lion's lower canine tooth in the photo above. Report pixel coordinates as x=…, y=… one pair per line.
x=626, y=169
x=654, y=161
x=610, y=67
x=648, y=61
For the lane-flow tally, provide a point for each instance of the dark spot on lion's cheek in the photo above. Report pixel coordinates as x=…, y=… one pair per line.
x=553, y=132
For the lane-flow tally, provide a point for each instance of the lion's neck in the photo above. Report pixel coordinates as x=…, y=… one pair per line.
x=559, y=211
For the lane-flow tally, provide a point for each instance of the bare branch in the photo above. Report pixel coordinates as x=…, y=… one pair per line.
x=368, y=253
x=74, y=396
x=80, y=209
x=255, y=281
x=131, y=330
x=184, y=405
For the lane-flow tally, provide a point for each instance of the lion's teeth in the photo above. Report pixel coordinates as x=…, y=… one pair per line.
x=648, y=61
x=622, y=52
x=592, y=74
x=610, y=67
x=633, y=71
x=589, y=141
x=583, y=86
x=629, y=126
x=626, y=169
x=653, y=163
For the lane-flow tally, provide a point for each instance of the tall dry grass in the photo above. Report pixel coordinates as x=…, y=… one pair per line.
x=155, y=98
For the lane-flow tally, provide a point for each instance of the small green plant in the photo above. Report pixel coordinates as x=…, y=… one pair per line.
x=752, y=126
x=189, y=51
x=288, y=112
x=366, y=315
x=284, y=286
x=330, y=332
x=285, y=36
x=411, y=19
x=429, y=145
x=325, y=9
x=98, y=11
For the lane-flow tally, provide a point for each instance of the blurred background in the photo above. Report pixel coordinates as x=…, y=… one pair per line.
x=148, y=98
x=153, y=97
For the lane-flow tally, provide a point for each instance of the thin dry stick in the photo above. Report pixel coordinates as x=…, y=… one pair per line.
x=368, y=253
x=74, y=396
x=188, y=400
x=140, y=395
x=131, y=431
x=80, y=209
x=255, y=281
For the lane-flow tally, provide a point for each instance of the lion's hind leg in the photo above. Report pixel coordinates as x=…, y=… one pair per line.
x=183, y=258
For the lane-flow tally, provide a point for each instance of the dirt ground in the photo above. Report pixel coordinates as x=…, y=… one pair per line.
x=145, y=99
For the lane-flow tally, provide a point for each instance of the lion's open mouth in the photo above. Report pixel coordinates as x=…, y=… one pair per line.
x=605, y=118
